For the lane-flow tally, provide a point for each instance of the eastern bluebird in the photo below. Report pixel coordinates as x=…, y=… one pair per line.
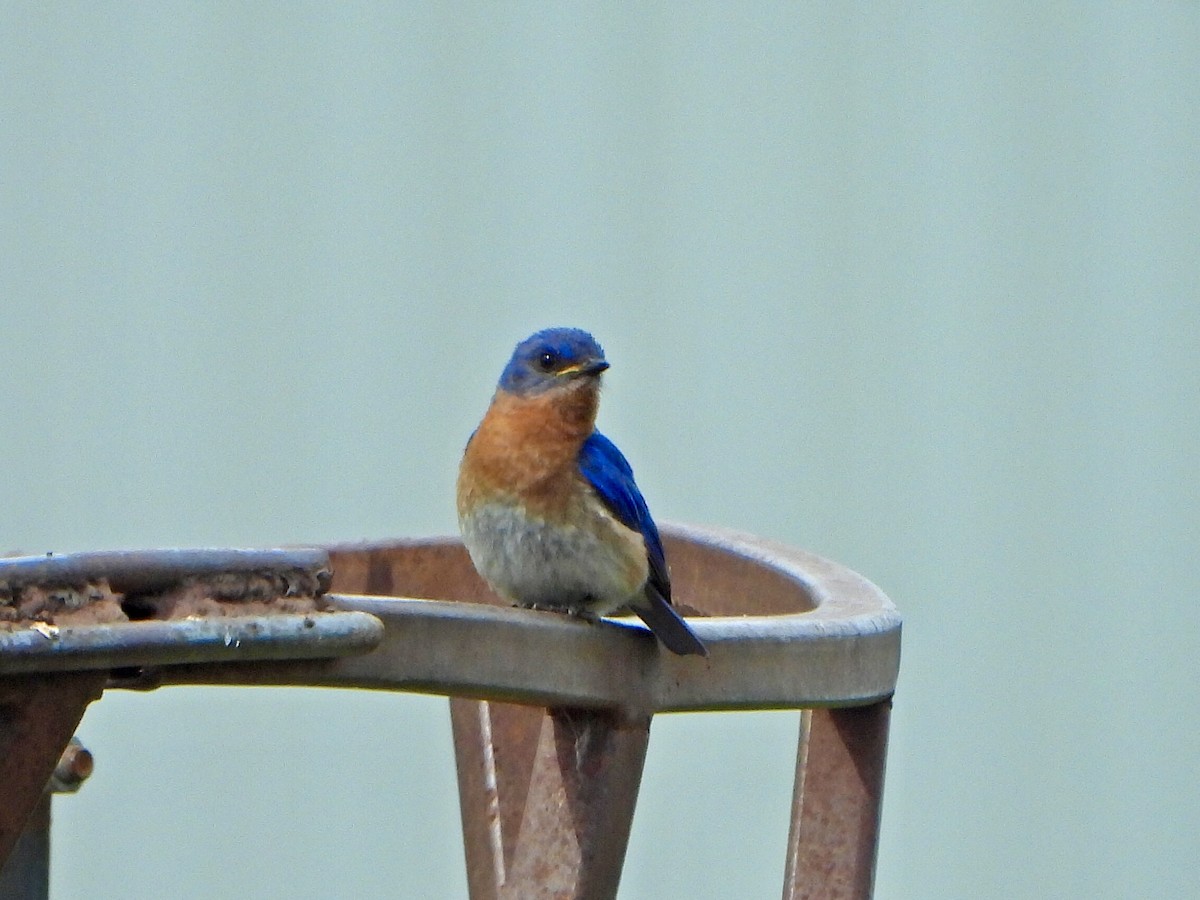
x=548, y=507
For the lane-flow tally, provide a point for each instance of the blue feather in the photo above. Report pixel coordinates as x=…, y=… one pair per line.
x=609, y=473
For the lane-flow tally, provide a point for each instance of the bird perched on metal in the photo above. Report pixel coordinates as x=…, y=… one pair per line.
x=547, y=505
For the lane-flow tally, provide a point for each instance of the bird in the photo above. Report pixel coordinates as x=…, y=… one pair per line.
x=547, y=505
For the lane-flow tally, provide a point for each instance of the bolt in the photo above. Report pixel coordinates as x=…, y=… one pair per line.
x=73, y=769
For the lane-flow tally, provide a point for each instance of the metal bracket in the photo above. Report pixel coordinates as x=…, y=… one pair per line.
x=551, y=715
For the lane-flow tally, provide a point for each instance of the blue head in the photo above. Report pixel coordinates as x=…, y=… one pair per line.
x=552, y=358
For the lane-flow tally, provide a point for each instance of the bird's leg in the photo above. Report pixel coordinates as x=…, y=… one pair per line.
x=584, y=610
x=578, y=612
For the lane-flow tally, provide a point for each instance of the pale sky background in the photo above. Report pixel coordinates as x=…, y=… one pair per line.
x=914, y=288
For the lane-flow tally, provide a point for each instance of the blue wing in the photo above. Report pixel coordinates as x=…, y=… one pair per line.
x=607, y=470
x=609, y=473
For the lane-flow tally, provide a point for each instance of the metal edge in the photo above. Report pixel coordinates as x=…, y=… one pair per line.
x=148, y=570
x=547, y=659
x=174, y=641
x=843, y=651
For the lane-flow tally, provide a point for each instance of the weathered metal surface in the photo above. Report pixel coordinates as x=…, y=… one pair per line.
x=149, y=571
x=38, y=715
x=173, y=641
x=547, y=659
x=579, y=810
x=25, y=875
x=836, y=804
x=495, y=745
x=75, y=766
x=547, y=798
x=825, y=636
x=64, y=627
x=828, y=612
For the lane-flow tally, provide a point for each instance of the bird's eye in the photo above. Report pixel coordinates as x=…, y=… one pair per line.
x=548, y=361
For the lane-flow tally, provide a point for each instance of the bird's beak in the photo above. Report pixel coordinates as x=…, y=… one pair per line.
x=589, y=367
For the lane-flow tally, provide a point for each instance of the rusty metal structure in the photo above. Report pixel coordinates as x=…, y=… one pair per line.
x=551, y=715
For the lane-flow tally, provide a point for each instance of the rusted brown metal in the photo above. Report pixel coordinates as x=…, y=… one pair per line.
x=548, y=788
x=503, y=770
x=301, y=570
x=114, y=645
x=493, y=786
x=25, y=874
x=68, y=622
x=38, y=715
x=547, y=798
x=579, y=810
x=829, y=637
x=75, y=766
x=836, y=803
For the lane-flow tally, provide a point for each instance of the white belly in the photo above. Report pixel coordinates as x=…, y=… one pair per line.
x=595, y=568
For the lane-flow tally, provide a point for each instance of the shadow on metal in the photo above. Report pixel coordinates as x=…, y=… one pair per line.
x=551, y=716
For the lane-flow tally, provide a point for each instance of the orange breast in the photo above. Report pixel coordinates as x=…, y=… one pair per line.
x=526, y=449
